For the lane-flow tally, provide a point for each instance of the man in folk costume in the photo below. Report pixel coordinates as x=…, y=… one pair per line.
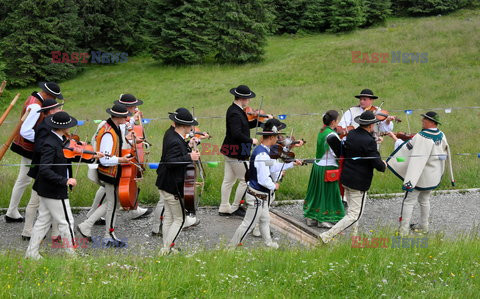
x=52, y=182
x=176, y=155
x=109, y=141
x=366, y=98
x=361, y=158
x=236, y=147
x=23, y=144
x=49, y=107
x=420, y=163
x=131, y=102
x=263, y=180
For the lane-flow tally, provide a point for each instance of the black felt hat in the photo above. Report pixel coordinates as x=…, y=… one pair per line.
x=366, y=93
x=183, y=117
x=128, y=100
x=61, y=120
x=243, y=92
x=272, y=127
x=52, y=89
x=119, y=110
x=49, y=104
x=433, y=116
x=366, y=118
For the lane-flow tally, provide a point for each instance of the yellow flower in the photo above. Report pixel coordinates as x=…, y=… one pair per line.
x=452, y=274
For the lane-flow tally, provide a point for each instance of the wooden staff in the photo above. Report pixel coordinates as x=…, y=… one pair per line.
x=6, y=145
x=2, y=87
x=4, y=116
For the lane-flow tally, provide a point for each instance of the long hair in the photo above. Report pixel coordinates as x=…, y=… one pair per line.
x=328, y=117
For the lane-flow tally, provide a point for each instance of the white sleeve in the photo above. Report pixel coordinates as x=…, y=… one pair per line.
x=398, y=143
x=263, y=171
x=346, y=119
x=383, y=127
x=106, y=145
x=27, y=131
x=277, y=167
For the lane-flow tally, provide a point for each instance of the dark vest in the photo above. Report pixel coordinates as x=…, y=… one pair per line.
x=253, y=178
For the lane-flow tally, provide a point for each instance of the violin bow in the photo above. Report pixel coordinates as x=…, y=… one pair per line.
x=202, y=171
x=256, y=126
x=78, y=165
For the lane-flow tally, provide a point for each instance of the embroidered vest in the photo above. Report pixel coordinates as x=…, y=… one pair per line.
x=109, y=174
x=21, y=145
x=253, y=178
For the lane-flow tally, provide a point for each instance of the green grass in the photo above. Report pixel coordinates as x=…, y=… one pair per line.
x=445, y=269
x=300, y=74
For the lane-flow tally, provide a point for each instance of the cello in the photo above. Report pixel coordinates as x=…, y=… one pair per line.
x=194, y=182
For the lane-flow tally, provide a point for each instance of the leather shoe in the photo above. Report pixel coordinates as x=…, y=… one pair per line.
x=13, y=220
x=89, y=239
x=115, y=243
x=147, y=212
x=100, y=221
x=159, y=234
x=239, y=212
x=25, y=238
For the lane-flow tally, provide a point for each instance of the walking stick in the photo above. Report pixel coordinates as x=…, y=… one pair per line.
x=2, y=87
x=6, y=145
x=4, y=116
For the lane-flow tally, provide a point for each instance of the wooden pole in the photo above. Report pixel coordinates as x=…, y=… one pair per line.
x=4, y=116
x=6, y=145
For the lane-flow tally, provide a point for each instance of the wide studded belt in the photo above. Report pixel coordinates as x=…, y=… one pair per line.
x=259, y=195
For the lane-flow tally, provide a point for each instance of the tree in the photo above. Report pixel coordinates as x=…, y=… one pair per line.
x=241, y=27
x=33, y=30
x=345, y=15
x=376, y=11
x=316, y=14
x=288, y=15
x=180, y=32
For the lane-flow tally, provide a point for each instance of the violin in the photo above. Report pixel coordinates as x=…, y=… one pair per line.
x=283, y=153
x=77, y=149
x=255, y=114
x=400, y=135
x=290, y=141
x=196, y=132
x=382, y=115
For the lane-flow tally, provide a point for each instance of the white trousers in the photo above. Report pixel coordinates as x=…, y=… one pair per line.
x=108, y=209
x=234, y=170
x=59, y=210
x=257, y=212
x=174, y=218
x=23, y=180
x=31, y=213
x=423, y=198
x=100, y=198
x=356, y=203
x=158, y=215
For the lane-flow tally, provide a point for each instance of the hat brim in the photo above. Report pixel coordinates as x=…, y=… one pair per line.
x=366, y=96
x=181, y=122
x=129, y=104
x=365, y=122
x=242, y=96
x=270, y=133
x=49, y=120
x=50, y=107
x=42, y=86
x=113, y=113
x=432, y=119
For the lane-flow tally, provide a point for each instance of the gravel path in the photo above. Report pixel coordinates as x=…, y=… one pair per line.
x=452, y=214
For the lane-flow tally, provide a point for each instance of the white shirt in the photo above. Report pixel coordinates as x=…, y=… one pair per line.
x=329, y=158
x=268, y=169
x=349, y=116
x=27, y=131
x=106, y=147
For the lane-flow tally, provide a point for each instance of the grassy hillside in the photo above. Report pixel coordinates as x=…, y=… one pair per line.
x=300, y=74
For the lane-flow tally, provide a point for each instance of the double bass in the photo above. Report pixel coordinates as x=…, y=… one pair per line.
x=194, y=181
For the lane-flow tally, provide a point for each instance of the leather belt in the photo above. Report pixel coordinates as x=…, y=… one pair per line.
x=262, y=196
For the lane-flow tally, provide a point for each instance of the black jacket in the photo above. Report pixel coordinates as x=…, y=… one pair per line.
x=51, y=180
x=41, y=133
x=358, y=173
x=237, y=143
x=172, y=176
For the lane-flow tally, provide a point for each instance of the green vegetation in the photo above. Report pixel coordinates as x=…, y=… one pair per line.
x=300, y=74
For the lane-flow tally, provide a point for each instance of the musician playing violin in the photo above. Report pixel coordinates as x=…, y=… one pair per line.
x=366, y=99
x=132, y=103
x=263, y=179
x=51, y=183
x=49, y=107
x=236, y=147
x=109, y=141
x=176, y=155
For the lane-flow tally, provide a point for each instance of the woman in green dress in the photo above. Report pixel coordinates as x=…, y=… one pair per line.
x=323, y=203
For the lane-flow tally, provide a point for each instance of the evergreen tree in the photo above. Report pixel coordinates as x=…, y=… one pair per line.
x=242, y=28
x=345, y=15
x=180, y=32
x=376, y=11
x=288, y=15
x=110, y=25
x=316, y=14
x=33, y=30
